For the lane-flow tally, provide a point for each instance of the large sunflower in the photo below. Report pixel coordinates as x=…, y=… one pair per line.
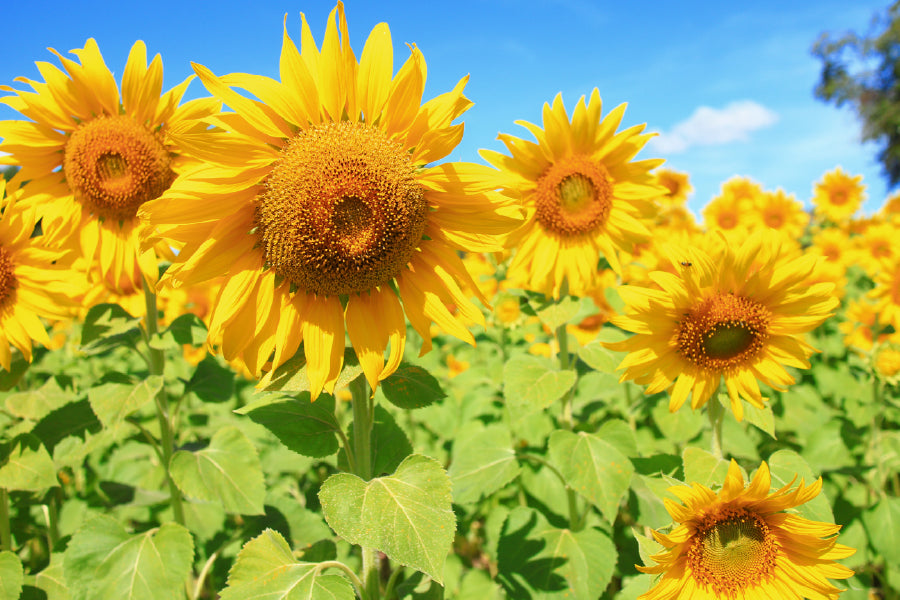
x=319, y=208
x=91, y=156
x=736, y=313
x=838, y=195
x=740, y=543
x=34, y=282
x=584, y=196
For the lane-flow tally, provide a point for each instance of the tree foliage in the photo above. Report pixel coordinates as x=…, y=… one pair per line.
x=864, y=71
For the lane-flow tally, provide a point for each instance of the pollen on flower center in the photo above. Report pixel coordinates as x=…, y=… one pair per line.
x=723, y=331
x=732, y=551
x=115, y=164
x=574, y=196
x=7, y=275
x=342, y=210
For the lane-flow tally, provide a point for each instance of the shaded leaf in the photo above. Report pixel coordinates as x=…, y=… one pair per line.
x=307, y=428
x=74, y=418
x=882, y=522
x=52, y=581
x=188, y=329
x=36, y=404
x=406, y=515
x=389, y=444
x=106, y=326
x=112, y=402
x=211, y=381
x=411, y=386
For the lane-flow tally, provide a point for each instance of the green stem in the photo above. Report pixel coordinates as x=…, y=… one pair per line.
x=392, y=582
x=166, y=434
x=336, y=564
x=5, y=532
x=716, y=413
x=363, y=418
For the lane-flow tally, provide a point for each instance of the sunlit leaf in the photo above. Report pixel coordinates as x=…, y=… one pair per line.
x=307, y=428
x=11, y=576
x=482, y=464
x=27, y=465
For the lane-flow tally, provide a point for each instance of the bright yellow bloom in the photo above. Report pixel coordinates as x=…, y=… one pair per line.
x=834, y=244
x=677, y=184
x=728, y=213
x=737, y=313
x=858, y=326
x=92, y=156
x=877, y=246
x=887, y=363
x=319, y=208
x=838, y=195
x=886, y=293
x=34, y=281
x=584, y=196
x=780, y=211
x=740, y=543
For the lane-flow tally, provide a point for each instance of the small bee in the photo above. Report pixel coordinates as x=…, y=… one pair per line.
x=687, y=263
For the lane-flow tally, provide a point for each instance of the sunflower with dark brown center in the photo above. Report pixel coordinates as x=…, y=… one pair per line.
x=319, y=209
x=93, y=156
x=740, y=543
x=585, y=197
x=737, y=313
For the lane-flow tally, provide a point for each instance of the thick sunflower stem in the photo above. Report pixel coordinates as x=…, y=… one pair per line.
x=166, y=433
x=716, y=413
x=5, y=532
x=363, y=419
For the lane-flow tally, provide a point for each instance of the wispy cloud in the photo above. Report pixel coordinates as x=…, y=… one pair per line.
x=709, y=126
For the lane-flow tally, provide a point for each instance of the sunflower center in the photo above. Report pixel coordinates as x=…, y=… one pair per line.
x=7, y=275
x=342, y=211
x=733, y=550
x=723, y=331
x=839, y=197
x=114, y=164
x=574, y=196
x=775, y=220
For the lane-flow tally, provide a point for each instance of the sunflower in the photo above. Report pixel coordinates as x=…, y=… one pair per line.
x=859, y=324
x=92, y=156
x=838, y=195
x=735, y=313
x=34, y=281
x=886, y=363
x=677, y=184
x=728, y=213
x=876, y=247
x=584, y=196
x=319, y=209
x=741, y=543
x=886, y=293
x=782, y=212
x=833, y=243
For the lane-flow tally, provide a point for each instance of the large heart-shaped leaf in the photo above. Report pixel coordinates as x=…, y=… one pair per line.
x=482, y=464
x=306, y=427
x=407, y=515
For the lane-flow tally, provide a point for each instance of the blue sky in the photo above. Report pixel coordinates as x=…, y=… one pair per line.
x=727, y=85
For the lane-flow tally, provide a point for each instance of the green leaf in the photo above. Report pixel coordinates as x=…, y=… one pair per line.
x=680, y=426
x=17, y=368
x=265, y=569
x=291, y=376
x=11, y=576
x=407, y=515
x=211, y=381
x=784, y=467
x=559, y=312
x=882, y=522
x=592, y=467
x=531, y=384
x=36, y=404
x=107, y=326
x=307, y=428
x=618, y=433
x=227, y=472
x=388, y=441
x=411, y=386
x=536, y=560
x=702, y=467
x=27, y=465
x=74, y=418
x=647, y=547
x=482, y=464
x=103, y=561
x=188, y=329
x=52, y=581
x=763, y=418
x=826, y=450
x=112, y=402
x=599, y=358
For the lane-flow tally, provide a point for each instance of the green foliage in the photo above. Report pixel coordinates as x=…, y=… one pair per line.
x=11, y=576
x=411, y=386
x=307, y=428
x=26, y=465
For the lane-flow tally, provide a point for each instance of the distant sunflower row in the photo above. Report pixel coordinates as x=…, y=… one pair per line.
x=316, y=212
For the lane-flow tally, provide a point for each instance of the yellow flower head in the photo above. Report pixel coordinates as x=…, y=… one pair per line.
x=780, y=211
x=887, y=363
x=319, y=208
x=584, y=196
x=886, y=292
x=92, y=156
x=677, y=184
x=740, y=543
x=838, y=195
x=34, y=281
x=728, y=213
x=737, y=313
x=833, y=243
x=877, y=246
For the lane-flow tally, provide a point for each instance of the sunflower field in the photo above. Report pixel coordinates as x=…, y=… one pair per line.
x=271, y=344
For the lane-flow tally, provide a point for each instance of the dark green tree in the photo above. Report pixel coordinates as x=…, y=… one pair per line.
x=864, y=72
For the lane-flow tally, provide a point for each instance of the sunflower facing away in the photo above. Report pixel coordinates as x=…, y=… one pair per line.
x=584, y=196
x=740, y=543
x=34, y=282
x=736, y=313
x=318, y=207
x=838, y=195
x=91, y=156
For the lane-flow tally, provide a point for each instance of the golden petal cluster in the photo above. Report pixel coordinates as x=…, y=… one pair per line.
x=838, y=195
x=736, y=313
x=741, y=542
x=584, y=194
x=324, y=206
x=91, y=155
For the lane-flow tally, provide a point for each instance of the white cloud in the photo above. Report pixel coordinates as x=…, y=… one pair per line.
x=709, y=126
